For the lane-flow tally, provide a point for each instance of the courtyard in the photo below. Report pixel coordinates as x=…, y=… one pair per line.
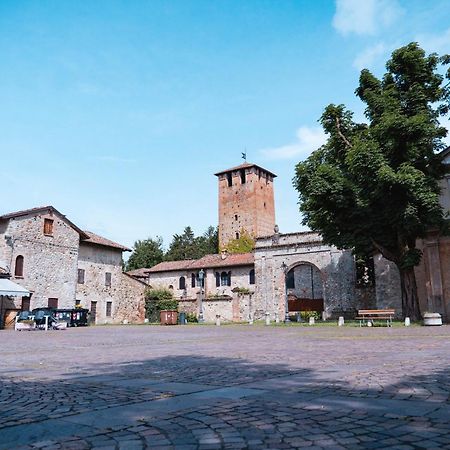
x=234, y=386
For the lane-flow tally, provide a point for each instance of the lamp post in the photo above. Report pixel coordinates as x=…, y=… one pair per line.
x=286, y=302
x=201, y=276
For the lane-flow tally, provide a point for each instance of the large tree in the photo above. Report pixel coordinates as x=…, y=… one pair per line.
x=146, y=253
x=188, y=246
x=375, y=186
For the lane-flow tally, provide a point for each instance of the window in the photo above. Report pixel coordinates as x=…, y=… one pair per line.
x=108, y=279
x=80, y=276
x=53, y=303
x=193, y=280
x=108, y=309
x=237, y=235
x=25, y=304
x=242, y=174
x=251, y=276
x=229, y=179
x=182, y=283
x=217, y=279
x=225, y=279
x=18, y=269
x=235, y=217
x=48, y=227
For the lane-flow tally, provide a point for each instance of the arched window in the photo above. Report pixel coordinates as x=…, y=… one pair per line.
x=193, y=280
x=182, y=284
x=217, y=279
x=251, y=276
x=290, y=280
x=18, y=270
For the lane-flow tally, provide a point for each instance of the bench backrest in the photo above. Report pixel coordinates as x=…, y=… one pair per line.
x=375, y=311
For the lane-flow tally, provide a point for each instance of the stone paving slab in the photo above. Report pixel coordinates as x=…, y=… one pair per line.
x=205, y=387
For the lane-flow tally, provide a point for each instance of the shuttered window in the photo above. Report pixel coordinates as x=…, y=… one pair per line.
x=108, y=309
x=80, y=276
x=108, y=279
x=48, y=227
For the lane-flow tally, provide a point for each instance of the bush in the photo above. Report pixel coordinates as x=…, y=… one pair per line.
x=305, y=315
x=191, y=318
x=157, y=300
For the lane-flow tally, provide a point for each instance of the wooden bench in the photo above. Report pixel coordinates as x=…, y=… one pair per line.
x=369, y=315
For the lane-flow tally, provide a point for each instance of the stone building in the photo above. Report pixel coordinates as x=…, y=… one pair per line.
x=64, y=266
x=229, y=282
x=246, y=202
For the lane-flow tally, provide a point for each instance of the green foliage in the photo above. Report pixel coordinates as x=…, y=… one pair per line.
x=242, y=290
x=375, y=186
x=305, y=315
x=157, y=300
x=188, y=246
x=244, y=244
x=191, y=318
x=146, y=253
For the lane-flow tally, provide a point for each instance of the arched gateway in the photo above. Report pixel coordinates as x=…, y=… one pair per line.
x=298, y=272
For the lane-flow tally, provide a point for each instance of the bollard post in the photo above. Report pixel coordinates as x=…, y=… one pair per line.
x=277, y=319
x=250, y=319
x=267, y=318
x=311, y=321
x=407, y=322
x=218, y=320
x=341, y=321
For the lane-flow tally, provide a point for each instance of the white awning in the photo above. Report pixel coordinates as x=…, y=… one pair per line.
x=10, y=289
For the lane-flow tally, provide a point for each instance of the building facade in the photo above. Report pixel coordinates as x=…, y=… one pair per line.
x=246, y=202
x=64, y=266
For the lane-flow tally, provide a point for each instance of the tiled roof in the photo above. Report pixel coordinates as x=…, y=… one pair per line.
x=50, y=209
x=245, y=165
x=99, y=240
x=217, y=260
x=169, y=266
x=140, y=273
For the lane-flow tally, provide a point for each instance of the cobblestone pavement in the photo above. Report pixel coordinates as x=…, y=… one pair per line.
x=233, y=387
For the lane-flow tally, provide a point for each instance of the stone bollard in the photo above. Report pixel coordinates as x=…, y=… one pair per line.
x=277, y=319
x=250, y=319
x=267, y=318
x=341, y=321
x=218, y=320
x=145, y=320
x=407, y=322
x=312, y=321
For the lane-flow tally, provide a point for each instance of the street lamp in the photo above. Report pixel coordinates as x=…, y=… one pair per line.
x=201, y=276
x=286, y=302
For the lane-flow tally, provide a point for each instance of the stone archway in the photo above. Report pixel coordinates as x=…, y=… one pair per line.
x=305, y=288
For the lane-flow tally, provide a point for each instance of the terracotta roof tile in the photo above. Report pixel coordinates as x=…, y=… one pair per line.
x=169, y=266
x=99, y=240
x=217, y=260
x=140, y=273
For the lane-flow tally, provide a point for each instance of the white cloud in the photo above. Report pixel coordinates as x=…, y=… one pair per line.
x=308, y=139
x=365, y=16
x=368, y=57
x=439, y=43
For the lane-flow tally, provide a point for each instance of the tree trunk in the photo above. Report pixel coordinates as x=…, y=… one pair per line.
x=410, y=299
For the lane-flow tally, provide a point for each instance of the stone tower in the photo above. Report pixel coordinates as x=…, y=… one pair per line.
x=246, y=202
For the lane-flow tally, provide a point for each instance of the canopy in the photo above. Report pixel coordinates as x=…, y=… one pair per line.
x=8, y=288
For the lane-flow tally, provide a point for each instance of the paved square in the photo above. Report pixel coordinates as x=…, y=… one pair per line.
x=233, y=387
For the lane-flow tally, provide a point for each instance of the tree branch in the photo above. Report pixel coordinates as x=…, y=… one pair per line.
x=385, y=252
x=338, y=127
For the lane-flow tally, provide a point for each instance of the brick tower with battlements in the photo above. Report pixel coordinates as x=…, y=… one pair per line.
x=246, y=202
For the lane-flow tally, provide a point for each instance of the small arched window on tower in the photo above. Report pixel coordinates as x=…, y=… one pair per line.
x=242, y=174
x=18, y=269
x=182, y=283
x=229, y=179
x=251, y=276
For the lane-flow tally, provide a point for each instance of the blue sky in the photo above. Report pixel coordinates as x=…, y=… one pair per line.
x=118, y=113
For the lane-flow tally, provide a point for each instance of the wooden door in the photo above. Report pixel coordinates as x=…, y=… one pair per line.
x=10, y=317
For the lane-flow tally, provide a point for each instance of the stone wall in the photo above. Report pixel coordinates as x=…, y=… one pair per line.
x=50, y=262
x=125, y=294
x=282, y=252
x=387, y=285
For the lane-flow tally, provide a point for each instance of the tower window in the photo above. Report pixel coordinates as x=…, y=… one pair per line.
x=48, y=227
x=235, y=217
x=242, y=173
x=229, y=179
x=237, y=235
x=251, y=276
